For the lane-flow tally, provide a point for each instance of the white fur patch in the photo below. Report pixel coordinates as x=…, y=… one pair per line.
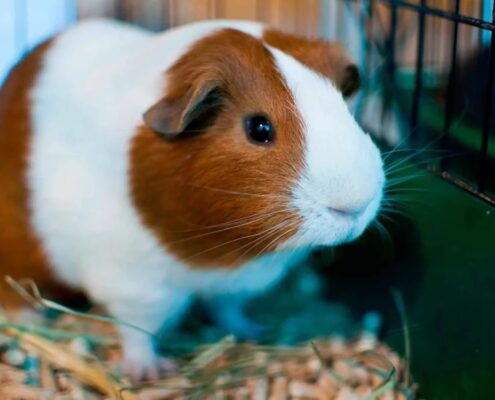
x=342, y=167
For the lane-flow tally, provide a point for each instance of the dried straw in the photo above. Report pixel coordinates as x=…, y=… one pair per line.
x=323, y=369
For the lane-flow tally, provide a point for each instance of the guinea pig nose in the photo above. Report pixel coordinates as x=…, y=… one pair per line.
x=346, y=211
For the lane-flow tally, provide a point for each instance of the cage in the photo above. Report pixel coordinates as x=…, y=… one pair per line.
x=436, y=80
x=428, y=87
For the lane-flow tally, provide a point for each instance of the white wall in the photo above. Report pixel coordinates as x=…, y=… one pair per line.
x=25, y=23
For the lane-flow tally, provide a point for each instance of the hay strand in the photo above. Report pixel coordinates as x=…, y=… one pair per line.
x=89, y=373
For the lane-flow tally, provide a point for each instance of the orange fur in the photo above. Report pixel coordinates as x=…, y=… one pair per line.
x=190, y=190
x=328, y=58
x=21, y=254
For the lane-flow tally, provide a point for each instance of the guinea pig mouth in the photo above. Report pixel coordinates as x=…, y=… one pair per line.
x=328, y=221
x=345, y=213
x=345, y=220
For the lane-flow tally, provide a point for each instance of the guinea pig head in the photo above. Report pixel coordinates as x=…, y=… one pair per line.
x=252, y=148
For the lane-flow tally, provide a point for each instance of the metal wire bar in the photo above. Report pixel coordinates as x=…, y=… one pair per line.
x=367, y=44
x=418, y=86
x=451, y=85
x=487, y=112
x=482, y=185
x=390, y=65
x=465, y=186
x=119, y=10
x=463, y=19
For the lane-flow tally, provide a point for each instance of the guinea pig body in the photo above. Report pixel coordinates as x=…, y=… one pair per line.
x=247, y=158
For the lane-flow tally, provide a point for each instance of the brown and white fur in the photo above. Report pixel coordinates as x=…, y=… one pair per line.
x=144, y=215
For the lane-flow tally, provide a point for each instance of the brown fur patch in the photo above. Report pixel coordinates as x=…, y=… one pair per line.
x=213, y=198
x=21, y=255
x=327, y=58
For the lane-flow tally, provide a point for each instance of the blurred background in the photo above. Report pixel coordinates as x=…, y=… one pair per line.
x=441, y=56
x=428, y=98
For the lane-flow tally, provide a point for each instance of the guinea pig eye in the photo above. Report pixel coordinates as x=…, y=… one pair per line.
x=259, y=129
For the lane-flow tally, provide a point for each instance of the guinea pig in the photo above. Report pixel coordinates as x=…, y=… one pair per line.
x=146, y=170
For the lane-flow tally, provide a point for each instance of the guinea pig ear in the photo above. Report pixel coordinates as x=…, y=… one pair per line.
x=349, y=80
x=327, y=58
x=191, y=108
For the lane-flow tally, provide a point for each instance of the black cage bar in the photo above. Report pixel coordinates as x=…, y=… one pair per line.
x=476, y=172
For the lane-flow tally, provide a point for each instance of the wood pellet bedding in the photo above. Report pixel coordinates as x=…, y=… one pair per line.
x=61, y=362
x=77, y=356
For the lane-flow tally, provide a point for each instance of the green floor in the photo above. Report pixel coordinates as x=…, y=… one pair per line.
x=453, y=316
x=441, y=257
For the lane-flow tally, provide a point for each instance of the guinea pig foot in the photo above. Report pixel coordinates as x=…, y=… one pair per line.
x=148, y=370
x=139, y=370
x=167, y=365
x=141, y=363
x=234, y=321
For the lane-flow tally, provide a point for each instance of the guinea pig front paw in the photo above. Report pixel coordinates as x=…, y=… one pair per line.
x=234, y=321
x=141, y=363
x=139, y=367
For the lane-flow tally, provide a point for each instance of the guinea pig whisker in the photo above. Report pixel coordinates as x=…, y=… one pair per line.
x=410, y=200
x=404, y=195
x=233, y=222
x=202, y=228
x=382, y=230
x=403, y=165
x=427, y=161
x=292, y=227
x=392, y=206
x=231, y=241
x=267, y=234
x=400, y=187
x=274, y=236
x=288, y=222
x=409, y=135
x=393, y=168
x=402, y=201
x=234, y=226
x=397, y=191
x=253, y=243
x=390, y=200
x=414, y=153
x=398, y=145
x=405, y=173
x=390, y=213
x=270, y=233
x=409, y=150
x=384, y=215
x=392, y=182
x=233, y=192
